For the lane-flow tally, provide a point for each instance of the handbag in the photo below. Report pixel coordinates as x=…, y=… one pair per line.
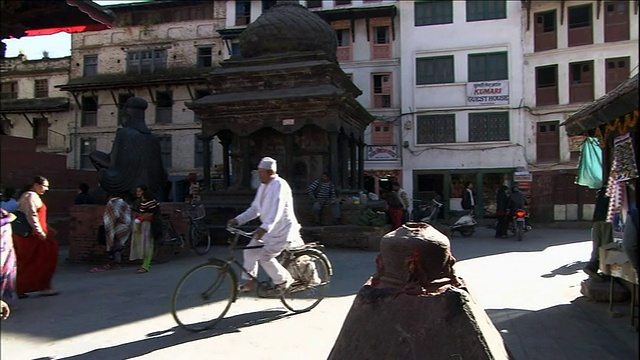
x=20, y=225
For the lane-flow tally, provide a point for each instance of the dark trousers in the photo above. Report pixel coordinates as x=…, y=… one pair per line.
x=502, y=225
x=601, y=234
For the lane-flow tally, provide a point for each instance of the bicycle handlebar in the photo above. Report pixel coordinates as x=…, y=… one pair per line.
x=237, y=231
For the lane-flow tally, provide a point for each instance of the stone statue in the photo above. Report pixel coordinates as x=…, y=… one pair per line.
x=416, y=307
x=135, y=157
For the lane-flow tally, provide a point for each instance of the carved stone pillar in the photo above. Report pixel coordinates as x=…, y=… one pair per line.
x=333, y=154
x=206, y=160
x=361, y=146
x=353, y=165
x=225, y=137
x=344, y=161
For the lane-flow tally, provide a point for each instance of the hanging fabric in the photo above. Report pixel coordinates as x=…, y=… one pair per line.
x=625, y=165
x=590, y=164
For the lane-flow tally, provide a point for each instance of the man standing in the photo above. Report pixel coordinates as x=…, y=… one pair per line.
x=404, y=198
x=468, y=200
x=601, y=234
x=323, y=193
x=273, y=204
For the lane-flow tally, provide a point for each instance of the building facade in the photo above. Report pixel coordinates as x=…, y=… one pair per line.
x=160, y=52
x=574, y=53
x=461, y=99
x=32, y=106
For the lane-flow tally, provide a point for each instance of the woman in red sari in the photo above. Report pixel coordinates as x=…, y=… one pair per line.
x=37, y=254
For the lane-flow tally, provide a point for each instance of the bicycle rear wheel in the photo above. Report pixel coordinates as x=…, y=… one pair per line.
x=164, y=249
x=204, y=295
x=200, y=237
x=312, y=276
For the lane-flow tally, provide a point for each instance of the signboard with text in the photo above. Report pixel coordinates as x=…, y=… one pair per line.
x=488, y=93
x=382, y=153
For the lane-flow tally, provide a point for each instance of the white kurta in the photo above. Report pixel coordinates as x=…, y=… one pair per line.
x=274, y=205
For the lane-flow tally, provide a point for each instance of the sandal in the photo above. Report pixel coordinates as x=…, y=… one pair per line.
x=142, y=271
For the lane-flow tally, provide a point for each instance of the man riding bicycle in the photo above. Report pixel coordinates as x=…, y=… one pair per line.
x=279, y=229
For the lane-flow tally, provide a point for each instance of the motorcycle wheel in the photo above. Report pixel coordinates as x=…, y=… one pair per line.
x=519, y=232
x=466, y=232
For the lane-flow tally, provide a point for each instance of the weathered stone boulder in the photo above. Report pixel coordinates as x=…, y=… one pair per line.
x=415, y=307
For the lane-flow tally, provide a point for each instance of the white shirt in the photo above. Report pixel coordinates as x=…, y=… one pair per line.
x=473, y=201
x=274, y=205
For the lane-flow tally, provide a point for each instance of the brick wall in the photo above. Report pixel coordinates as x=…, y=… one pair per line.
x=83, y=230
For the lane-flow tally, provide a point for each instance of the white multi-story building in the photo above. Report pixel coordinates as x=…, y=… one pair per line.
x=462, y=94
x=574, y=53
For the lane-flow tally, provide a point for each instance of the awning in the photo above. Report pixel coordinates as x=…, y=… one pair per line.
x=37, y=17
x=618, y=102
x=18, y=106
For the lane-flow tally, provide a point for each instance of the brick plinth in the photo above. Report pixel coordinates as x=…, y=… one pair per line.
x=83, y=230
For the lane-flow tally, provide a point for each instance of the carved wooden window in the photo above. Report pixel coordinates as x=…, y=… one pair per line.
x=87, y=145
x=90, y=65
x=617, y=71
x=488, y=66
x=581, y=82
x=381, y=42
x=381, y=90
x=205, y=57
x=343, y=33
x=146, y=61
x=243, y=12
x=165, y=150
x=580, y=25
x=486, y=10
x=9, y=90
x=545, y=31
x=41, y=131
x=616, y=21
x=164, y=107
x=436, y=129
x=489, y=126
x=548, y=141
x=547, y=85
x=382, y=133
x=41, y=87
x=434, y=70
x=89, y=111
x=433, y=12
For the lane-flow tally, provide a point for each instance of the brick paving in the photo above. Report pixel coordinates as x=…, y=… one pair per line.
x=530, y=289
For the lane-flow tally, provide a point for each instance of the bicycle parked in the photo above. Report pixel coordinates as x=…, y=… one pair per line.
x=171, y=242
x=205, y=293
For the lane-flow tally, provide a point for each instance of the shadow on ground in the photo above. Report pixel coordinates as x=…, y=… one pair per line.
x=176, y=336
x=567, y=332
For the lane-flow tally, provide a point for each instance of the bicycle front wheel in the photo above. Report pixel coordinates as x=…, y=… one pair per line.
x=312, y=275
x=200, y=237
x=204, y=295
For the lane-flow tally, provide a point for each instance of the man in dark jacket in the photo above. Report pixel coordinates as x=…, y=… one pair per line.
x=601, y=234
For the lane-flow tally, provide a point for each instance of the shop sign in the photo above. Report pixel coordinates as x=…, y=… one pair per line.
x=575, y=142
x=522, y=176
x=488, y=93
x=382, y=152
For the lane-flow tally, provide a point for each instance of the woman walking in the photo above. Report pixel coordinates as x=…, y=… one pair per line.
x=37, y=253
x=8, y=264
x=145, y=229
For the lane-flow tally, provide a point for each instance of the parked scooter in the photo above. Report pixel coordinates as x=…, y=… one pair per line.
x=465, y=225
x=433, y=213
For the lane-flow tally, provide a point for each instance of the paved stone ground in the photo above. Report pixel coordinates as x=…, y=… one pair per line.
x=530, y=289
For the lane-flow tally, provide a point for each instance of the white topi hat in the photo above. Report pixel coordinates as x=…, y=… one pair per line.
x=268, y=163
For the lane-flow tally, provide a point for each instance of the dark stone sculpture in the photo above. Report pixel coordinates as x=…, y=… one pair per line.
x=135, y=157
x=415, y=307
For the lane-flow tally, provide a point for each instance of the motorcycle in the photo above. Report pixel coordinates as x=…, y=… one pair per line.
x=518, y=226
x=465, y=225
x=434, y=211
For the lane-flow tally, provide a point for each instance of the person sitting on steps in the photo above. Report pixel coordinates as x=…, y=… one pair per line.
x=323, y=193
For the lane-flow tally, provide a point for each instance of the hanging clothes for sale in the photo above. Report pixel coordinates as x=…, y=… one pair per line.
x=590, y=164
x=625, y=165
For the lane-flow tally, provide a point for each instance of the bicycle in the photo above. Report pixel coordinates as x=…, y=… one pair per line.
x=170, y=241
x=212, y=287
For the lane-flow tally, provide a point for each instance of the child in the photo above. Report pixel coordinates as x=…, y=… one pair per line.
x=147, y=216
